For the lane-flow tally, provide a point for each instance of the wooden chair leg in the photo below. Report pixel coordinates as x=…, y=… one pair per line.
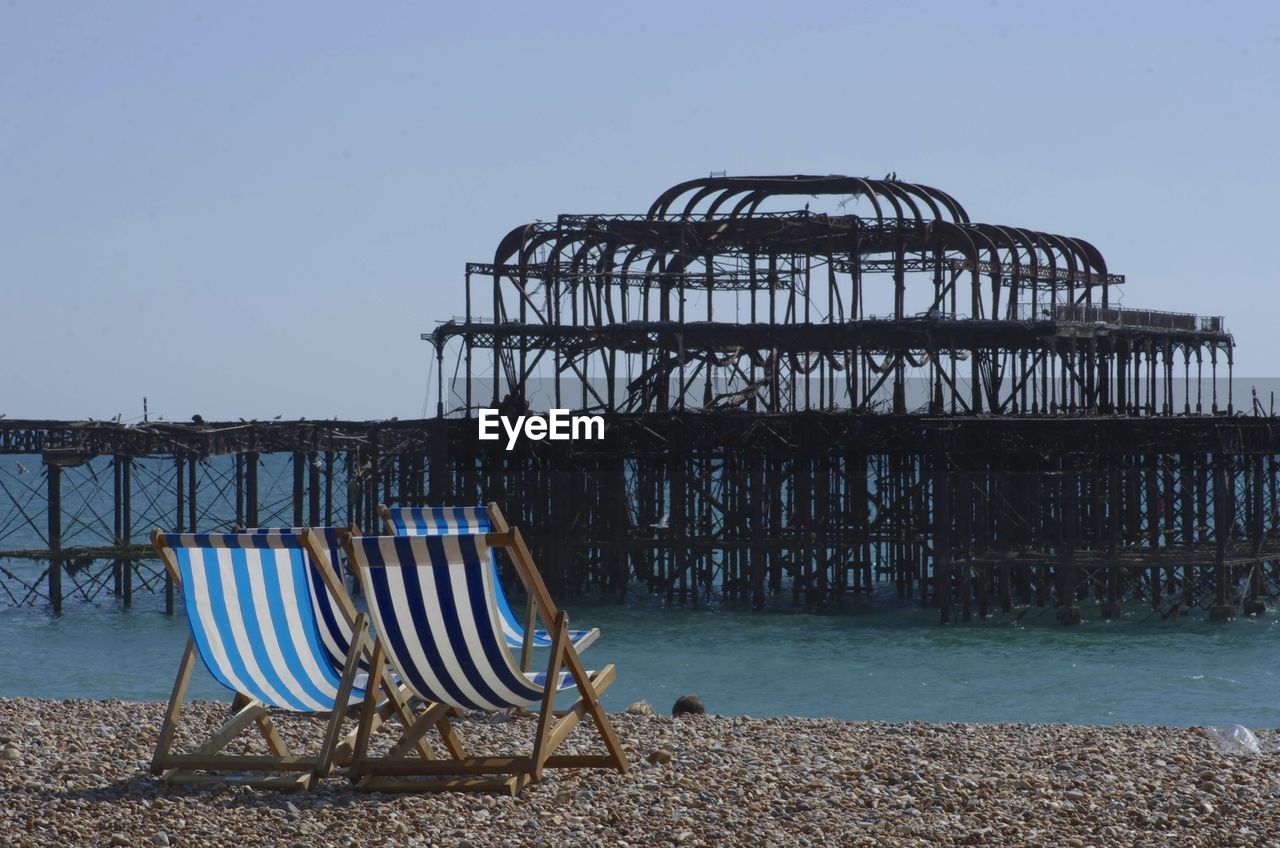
x=591, y=700
x=530, y=624
x=275, y=742
x=433, y=716
x=368, y=710
x=174, y=710
x=341, y=702
x=547, y=712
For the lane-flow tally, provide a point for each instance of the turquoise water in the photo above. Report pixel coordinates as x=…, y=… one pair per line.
x=889, y=664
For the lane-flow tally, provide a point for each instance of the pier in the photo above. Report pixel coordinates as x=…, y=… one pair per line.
x=799, y=406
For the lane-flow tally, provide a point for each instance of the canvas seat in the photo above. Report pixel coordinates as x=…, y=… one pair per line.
x=444, y=520
x=433, y=604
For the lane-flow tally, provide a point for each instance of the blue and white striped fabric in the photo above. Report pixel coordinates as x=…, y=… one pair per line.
x=432, y=600
x=248, y=600
x=335, y=633
x=448, y=520
x=440, y=520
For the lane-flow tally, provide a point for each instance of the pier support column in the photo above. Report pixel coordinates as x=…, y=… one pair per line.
x=54, y=475
x=1069, y=605
x=1221, y=612
x=118, y=565
x=941, y=529
x=126, y=524
x=251, y=488
x=1224, y=519
x=299, y=488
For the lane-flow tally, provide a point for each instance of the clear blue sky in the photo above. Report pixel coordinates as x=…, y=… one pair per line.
x=254, y=209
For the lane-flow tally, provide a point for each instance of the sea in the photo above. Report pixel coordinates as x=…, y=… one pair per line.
x=878, y=660
x=875, y=659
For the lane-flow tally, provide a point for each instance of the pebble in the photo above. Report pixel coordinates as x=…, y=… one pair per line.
x=688, y=705
x=776, y=781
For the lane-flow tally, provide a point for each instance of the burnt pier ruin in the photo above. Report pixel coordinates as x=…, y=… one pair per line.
x=813, y=386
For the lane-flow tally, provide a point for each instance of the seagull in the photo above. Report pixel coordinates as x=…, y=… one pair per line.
x=22, y=469
x=277, y=418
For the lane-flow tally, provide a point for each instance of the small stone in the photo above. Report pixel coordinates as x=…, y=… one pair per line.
x=641, y=708
x=118, y=840
x=160, y=839
x=660, y=757
x=688, y=705
x=12, y=754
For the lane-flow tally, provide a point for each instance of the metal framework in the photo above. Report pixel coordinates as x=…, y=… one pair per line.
x=801, y=405
x=708, y=302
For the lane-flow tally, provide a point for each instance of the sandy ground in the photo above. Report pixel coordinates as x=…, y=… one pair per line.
x=74, y=773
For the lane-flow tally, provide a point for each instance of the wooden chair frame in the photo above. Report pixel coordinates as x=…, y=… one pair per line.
x=395, y=772
x=281, y=769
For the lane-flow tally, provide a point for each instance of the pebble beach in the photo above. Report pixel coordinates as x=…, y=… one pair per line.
x=74, y=773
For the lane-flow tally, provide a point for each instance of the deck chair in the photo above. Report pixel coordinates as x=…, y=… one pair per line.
x=248, y=603
x=250, y=600
x=433, y=603
x=443, y=520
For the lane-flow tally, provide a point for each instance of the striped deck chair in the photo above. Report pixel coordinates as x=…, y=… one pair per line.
x=335, y=616
x=249, y=605
x=443, y=520
x=433, y=603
